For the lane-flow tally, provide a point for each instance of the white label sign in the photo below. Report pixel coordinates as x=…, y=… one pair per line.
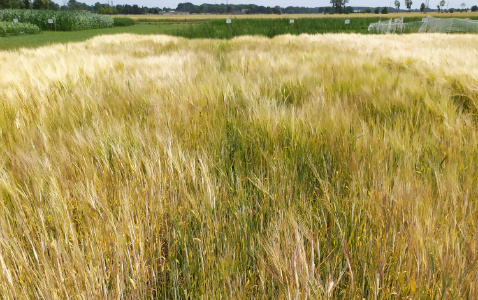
x=50, y=21
x=15, y=20
x=424, y=20
x=292, y=21
x=228, y=21
x=347, y=21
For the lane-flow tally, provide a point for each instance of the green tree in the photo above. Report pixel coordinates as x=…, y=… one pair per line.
x=377, y=10
x=75, y=5
x=18, y=4
x=54, y=6
x=442, y=4
x=385, y=10
x=397, y=4
x=339, y=5
x=422, y=7
x=474, y=8
x=97, y=6
x=408, y=4
x=41, y=4
x=5, y=4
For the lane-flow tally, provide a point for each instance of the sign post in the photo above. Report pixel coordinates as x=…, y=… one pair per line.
x=50, y=21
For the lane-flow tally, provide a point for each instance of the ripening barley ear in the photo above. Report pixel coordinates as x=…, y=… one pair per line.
x=464, y=97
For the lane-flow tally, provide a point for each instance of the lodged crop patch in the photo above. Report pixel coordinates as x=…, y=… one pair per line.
x=62, y=20
x=327, y=166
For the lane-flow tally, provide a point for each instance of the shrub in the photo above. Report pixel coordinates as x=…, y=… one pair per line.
x=11, y=29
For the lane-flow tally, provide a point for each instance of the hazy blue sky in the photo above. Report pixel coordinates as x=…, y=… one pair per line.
x=284, y=3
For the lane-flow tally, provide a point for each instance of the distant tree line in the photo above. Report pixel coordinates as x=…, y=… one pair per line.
x=336, y=10
x=28, y=4
x=74, y=5
x=337, y=6
x=247, y=8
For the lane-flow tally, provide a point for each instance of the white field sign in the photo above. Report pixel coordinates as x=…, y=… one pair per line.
x=291, y=21
x=15, y=20
x=347, y=21
x=228, y=21
x=50, y=21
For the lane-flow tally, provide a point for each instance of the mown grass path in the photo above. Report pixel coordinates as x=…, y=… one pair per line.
x=51, y=37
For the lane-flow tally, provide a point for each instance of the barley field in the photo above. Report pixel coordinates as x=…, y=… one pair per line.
x=312, y=166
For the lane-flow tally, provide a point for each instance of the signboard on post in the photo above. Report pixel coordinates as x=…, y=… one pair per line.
x=424, y=20
x=50, y=21
x=291, y=21
x=347, y=21
x=15, y=20
x=228, y=21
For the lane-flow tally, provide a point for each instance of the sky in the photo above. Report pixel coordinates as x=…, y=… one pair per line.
x=284, y=3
